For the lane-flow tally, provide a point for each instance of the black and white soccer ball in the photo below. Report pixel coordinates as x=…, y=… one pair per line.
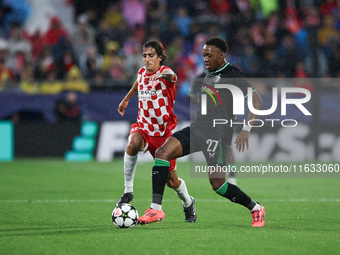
x=125, y=216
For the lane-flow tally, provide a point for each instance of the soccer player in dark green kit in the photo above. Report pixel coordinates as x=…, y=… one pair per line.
x=212, y=140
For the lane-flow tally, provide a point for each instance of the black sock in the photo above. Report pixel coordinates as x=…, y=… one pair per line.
x=236, y=195
x=160, y=173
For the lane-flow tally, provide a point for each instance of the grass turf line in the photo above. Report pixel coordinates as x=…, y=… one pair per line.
x=28, y=227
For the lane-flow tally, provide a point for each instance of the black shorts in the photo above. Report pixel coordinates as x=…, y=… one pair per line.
x=214, y=145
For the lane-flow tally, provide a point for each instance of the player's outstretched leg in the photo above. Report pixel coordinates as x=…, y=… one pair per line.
x=160, y=172
x=181, y=191
x=236, y=195
x=130, y=163
x=190, y=212
x=258, y=215
x=135, y=143
x=151, y=215
x=126, y=198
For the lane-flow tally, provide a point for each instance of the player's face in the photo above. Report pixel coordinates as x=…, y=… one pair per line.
x=213, y=58
x=151, y=60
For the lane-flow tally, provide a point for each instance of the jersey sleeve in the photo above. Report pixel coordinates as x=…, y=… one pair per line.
x=168, y=68
x=139, y=74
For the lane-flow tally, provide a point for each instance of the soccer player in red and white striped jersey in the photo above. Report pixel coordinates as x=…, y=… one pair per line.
x=155, y=85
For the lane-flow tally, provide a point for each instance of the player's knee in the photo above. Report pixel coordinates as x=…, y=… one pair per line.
x=133, y=147
x=174, y=184
x=161, y=153
x=216, y=183
x=170, y=183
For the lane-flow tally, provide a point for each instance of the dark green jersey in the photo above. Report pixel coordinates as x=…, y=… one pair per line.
x=218, y=102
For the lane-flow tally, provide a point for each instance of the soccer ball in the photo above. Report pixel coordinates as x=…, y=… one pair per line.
x=125, y=216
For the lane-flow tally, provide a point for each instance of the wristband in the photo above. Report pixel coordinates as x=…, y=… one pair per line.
x=246, y=128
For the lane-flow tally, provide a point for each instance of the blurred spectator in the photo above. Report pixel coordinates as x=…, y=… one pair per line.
x=300, y=71
x=270, y=64
x=4, y=49
x=68, y=62
x=156, y=13
x=113, y=15
x=265, y=7
x=220, y=7
x=288, y=55
x=105, y=33
x=83, y=36
x=75, y=81
x=257, y=31
x=37, y=45
x=51, y=85
x=249, y=62
x=134, y=12
x=28, y=84
x=195, y=55
x=327, y=32
x=92, y=17
x=7, y=78
x=322, y=65
x=292, y=19
x=183, y=21
x=44, y=64
x=98, y=82
x=174, y=51
x=55, y=33
x=90, y=62
x=68, y=110
x=329, y=7
x=133, y=61
x=113, y=64
x=19, y=50
x=334, y=63
x=12, y=12
x=243, y=5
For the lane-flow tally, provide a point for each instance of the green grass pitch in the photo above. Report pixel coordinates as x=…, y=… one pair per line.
x=55, y=207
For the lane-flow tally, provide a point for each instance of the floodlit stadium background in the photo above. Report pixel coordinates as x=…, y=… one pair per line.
x=49, y=48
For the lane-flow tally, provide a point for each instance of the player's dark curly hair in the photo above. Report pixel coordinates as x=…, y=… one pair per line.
x=218, y=42
x=158, y=48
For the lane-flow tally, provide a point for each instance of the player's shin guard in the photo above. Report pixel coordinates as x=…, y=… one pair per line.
x=160, y=173
x=236, y=195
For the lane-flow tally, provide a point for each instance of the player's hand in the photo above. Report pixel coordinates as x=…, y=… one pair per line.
x=122, y=106
x=242, y=141
x=166, y=75
x=155, y=76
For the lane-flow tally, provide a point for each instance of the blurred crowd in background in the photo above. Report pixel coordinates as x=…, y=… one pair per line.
x=276, y=38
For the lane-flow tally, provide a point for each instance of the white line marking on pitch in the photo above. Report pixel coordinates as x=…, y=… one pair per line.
x=41, y=201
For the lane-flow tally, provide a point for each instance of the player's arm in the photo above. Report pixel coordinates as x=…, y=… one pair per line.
x=242, y=139
x=124, y=103
x=167, y=74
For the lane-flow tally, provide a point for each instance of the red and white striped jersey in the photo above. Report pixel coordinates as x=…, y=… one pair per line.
x=156, y=102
